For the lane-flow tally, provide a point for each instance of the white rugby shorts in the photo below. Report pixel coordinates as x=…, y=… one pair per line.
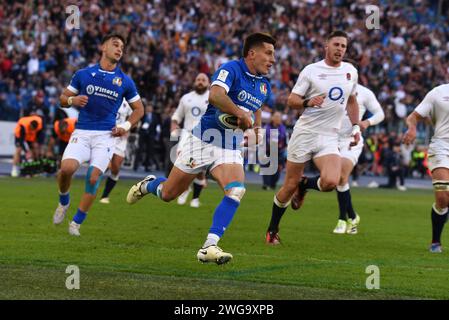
x=438, y=154
x=304, y=146
x=93, y=146
x=195, y=156
x=352, y=153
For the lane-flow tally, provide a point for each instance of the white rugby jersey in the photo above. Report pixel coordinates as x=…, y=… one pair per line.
x=366, y=101
x=123, y=112
x=436, y=106
x=190, y=109
x=337, y=84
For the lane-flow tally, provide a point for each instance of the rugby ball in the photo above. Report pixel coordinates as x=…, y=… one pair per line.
x=229, y=121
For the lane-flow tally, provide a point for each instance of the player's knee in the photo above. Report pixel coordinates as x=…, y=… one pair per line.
x=93, y=179
x=290, y=186
x=343, y=180
x=66, y=171
x=441, y=188
x=115, y=172
x=328, y=184
x=441, y=200
x=167, y=194
x=235, y=190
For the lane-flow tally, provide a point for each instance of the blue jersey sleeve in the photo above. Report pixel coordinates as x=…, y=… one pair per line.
x=131, y=95
x=75, y=83
x=224, y=76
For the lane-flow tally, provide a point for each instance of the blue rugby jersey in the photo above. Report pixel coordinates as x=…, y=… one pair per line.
x=105, y=90
x=246, y=90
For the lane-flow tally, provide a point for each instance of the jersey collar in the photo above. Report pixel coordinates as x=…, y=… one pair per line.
x=104, y=71
x=246, y=70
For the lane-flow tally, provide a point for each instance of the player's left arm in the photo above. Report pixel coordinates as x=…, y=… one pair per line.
x=134, y=101
x=421, y=113
x=375, y=109
x=353, y=113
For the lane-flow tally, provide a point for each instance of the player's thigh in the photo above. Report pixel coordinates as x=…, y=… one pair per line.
x=116, y=163
x=230, y=177
x=120, y=146
x=346, y=168
x=102, y=151
x=440, y=179
x=293, y=174
x=78, y=147
x=301, y=147
x=227, y=173
x=195, y=155
x=177, y=182
x=330, y=168
x=349, y=157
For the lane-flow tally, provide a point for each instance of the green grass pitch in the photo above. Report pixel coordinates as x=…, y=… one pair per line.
x=148, y=250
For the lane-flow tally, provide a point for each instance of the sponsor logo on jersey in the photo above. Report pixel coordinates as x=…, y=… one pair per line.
x=117, y=81
x=242, y=95
x=90, y=89
x=247, y=97
x=263, y=88
x=196, y=111
x=102, y=92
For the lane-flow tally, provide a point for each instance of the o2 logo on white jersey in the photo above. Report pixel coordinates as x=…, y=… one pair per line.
x=90, y=89
x=242, y=95
x=196, y=111
x=336, y=93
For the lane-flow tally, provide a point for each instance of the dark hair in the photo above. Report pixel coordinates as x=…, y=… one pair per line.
x=255, y=40
x=113, y=35
x=338, y=33
x=34, y=124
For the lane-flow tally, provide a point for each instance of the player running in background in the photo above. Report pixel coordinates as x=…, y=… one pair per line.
x=348, y=219
x=191, y=108
x=98, y=91
x=435, y=107
x=238, y=89
x=123, y=114
x=323, y=92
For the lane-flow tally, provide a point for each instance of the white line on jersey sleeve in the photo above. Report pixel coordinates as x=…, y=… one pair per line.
x=134, y=99
x=220, y=84
x=72, y=89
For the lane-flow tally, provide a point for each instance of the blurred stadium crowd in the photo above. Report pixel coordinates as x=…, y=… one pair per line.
x=169, y=42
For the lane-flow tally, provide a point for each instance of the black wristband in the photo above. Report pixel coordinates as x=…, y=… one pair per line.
x=305, y=102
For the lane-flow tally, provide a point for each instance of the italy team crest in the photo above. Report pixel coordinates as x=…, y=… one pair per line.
x=263, y=88
x=117, y=81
